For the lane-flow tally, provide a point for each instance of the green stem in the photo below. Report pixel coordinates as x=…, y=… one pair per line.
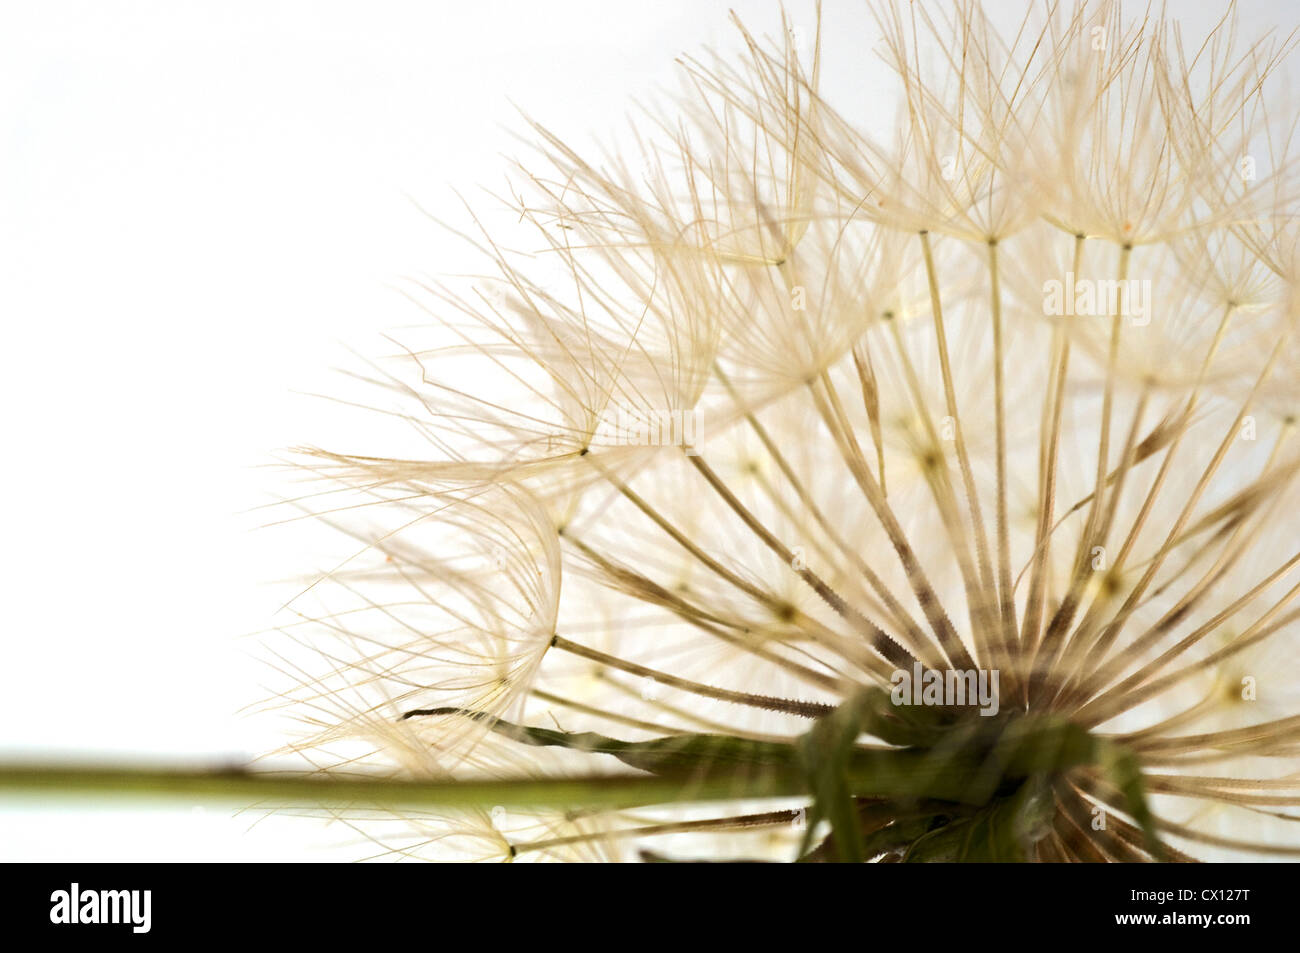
x=83, y=782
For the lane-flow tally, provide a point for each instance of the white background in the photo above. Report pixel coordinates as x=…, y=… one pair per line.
x=199, y=204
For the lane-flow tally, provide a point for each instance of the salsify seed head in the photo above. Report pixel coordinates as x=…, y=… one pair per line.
x=860, y=492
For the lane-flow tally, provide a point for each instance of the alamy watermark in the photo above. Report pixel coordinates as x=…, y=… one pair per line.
x=951, y=688
x=74, y=905
x=651, y=428
x=1129, y=298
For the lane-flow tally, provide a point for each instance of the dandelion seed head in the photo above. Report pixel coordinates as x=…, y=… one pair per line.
x=774, y=409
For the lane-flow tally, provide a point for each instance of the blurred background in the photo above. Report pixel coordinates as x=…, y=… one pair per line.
x=203, y=206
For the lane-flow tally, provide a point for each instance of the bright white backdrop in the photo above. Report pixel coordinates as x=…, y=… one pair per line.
x=198, y=204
